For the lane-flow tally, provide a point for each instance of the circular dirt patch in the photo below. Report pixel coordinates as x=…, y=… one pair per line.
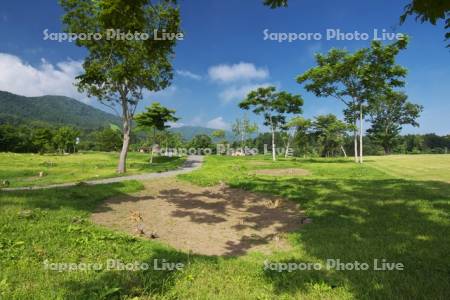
x=283, y=172
x=212, y=221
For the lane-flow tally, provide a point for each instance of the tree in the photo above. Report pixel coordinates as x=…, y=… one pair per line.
x=42, y=139
x=108, y=139
x=429, y=11
x=292, y=127
x=201, y=141
x=243, y=128
x=118, y=70
x=218, y=135
x=388, y=113
x=330, y=132
x=355, y=78
x=155, y=118
x=302, y=134
x=273, y=106
x=65, y=139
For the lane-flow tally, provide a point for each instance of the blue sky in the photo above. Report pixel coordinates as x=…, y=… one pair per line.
x=224, y=54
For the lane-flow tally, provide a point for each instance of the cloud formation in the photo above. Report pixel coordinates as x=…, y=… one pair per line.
x=235, y=92
x=188, y=74
x=21, y=78
x=218, y=123
x=237, y=72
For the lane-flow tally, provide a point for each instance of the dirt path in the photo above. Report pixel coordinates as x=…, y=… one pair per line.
x=215, y=220
x=192, y=163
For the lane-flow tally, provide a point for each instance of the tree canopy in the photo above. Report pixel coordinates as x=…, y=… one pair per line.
x=355, y=78
x=273, y=106
x=118, y=70
x=388, y=113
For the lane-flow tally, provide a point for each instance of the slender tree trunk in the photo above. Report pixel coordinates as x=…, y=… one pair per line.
x=153, y=144
x=360, y=134
x=355, y=142
x=121, y=168
x=126, y=123
x=287, y=147
x=343, y=150
x=274, y=158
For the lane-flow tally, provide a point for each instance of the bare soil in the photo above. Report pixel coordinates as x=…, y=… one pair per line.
x=212, y=221
x=283, y=172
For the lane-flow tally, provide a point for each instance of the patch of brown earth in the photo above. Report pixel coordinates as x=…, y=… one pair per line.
x=283, y=172
x=212, y=221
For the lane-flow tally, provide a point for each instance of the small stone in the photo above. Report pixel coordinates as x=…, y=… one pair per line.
x=306, y=220
x=153, y=235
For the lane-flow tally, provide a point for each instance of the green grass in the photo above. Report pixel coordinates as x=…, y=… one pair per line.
x=358, y=212
x=24, y=169
x=421, y=167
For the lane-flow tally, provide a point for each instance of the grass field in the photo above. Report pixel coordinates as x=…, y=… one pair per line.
x=388, y=208
x=24, y=169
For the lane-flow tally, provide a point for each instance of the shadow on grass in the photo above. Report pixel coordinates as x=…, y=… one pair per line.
x=115, y=284
x=361, y=220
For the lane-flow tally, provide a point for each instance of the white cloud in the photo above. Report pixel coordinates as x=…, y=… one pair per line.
x=188, y=74
x=21, y=78
x=218, y=123
x=176, y=125
x=237, y=72
x=233, y=92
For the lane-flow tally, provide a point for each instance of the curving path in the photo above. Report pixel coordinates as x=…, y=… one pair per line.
x=192, y=163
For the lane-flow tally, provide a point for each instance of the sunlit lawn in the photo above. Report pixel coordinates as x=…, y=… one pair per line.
x=421, y=167
x=24, y=169
x=359, y=213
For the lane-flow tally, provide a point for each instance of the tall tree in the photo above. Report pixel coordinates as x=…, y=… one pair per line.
x=65, y=139
x=330, y=132
x=243, y=129
x=302, y=133
x=388, y=113
x=118, y=70
x=292, y=127
x=273, y=106
x=155, y=118
x=354, y=78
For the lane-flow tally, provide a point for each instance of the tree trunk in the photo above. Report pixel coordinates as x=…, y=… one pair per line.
x=343, y=150
x=126, y=124
x=151, y=156
x=287, y=147
x=121, y=168
x=360, y=134
x=274, y=158
x=355, y=141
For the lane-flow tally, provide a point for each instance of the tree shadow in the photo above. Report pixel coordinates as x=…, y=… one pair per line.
x=362, y=220
x=147, y=278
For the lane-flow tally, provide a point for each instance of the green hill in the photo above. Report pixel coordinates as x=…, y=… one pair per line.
x=57, y=110
x=61, y=110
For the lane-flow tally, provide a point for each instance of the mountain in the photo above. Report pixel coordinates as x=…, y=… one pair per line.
x=57, y=110
x=60, y=111
x=188, y=132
